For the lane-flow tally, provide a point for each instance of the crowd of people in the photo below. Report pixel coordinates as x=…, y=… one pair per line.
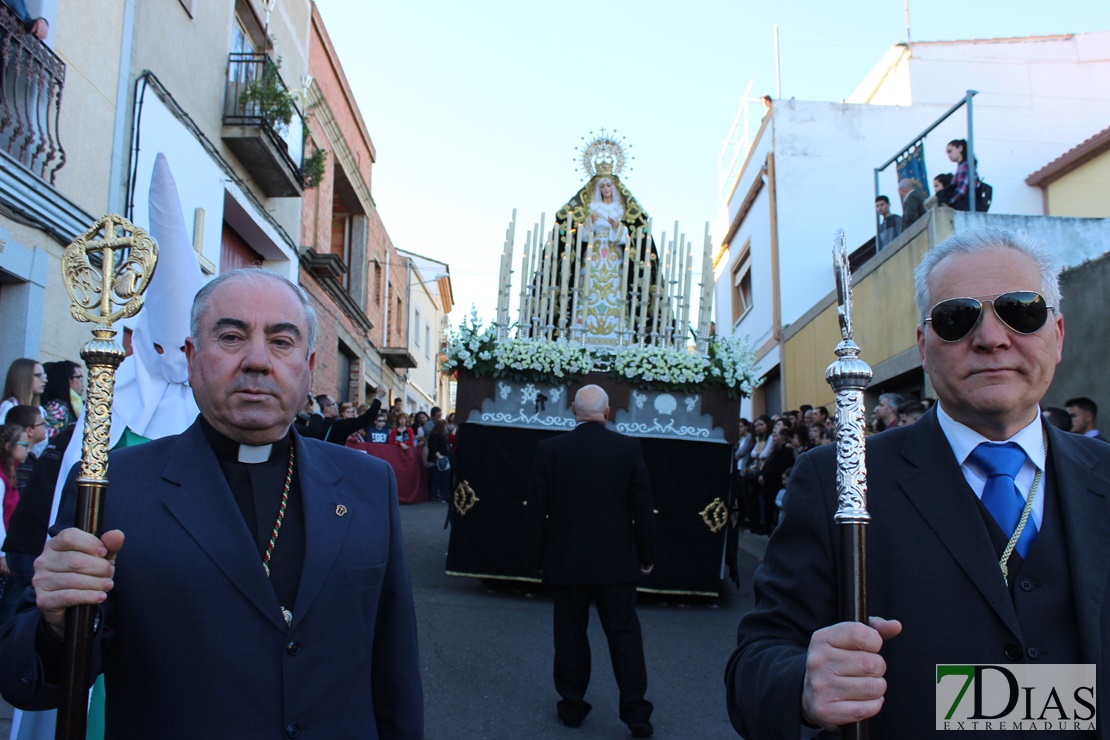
x=429, y=433
x=768, y=447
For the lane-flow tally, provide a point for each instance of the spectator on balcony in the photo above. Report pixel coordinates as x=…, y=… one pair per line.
x=891, y=226
x=940, y=189
x=958, y=193
x=37, y=27
x=913, y=203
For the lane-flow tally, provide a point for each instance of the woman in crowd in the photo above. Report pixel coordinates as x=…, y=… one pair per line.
x=761, y=448
x=402, y=434
x=439, y=463
x=24, y=385
x=65, y=381
x=452, y=431
x=778, y=461
x=958, y=194
x=741, y=456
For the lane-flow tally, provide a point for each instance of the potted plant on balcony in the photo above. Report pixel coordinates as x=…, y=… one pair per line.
x=267, y=97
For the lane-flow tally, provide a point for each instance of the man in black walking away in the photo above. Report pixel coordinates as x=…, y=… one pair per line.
x=598, y=540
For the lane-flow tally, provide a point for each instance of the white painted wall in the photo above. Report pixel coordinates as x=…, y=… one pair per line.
x=1038, y=98
x=425, y=376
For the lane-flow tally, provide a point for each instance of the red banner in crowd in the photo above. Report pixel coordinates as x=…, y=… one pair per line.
x=408, y=466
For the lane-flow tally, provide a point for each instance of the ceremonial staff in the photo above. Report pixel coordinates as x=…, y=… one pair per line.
x=849, y=376
x=100, y=295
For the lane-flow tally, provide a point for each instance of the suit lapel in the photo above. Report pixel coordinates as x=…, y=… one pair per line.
x=952, y=513
x=204, y=506
x=324, y=491
x=1083, y=492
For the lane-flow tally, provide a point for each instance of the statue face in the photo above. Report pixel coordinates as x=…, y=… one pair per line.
x=606, y=191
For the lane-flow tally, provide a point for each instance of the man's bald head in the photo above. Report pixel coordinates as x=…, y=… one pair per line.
x=591, y=403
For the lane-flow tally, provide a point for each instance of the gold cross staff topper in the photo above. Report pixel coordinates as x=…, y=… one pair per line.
x=102, y=295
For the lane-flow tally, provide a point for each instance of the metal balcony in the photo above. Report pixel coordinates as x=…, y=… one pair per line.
x=31, y=82
x=270, y=149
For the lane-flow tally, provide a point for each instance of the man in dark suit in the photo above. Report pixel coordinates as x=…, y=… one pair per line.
x=262, y=590
x=913, y=203
x=939, y=557
x=598, y=540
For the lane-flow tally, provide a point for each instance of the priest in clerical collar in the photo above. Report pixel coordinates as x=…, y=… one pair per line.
x=263, y=584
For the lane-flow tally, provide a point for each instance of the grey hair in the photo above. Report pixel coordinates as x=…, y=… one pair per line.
x=255, y=276
x=591, y=400
x=895, y=399
x=989, y=240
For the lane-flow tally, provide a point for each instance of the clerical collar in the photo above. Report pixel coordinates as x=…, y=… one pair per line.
x=228, y=450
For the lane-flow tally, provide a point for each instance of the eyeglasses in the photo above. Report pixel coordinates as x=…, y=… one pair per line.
x=21, y=444
x=1022, y=311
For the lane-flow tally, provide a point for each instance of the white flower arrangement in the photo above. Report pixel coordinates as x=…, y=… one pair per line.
x=732, y=364
x=729, y=364
x=660, y=368
x=540, y=359
x=471, y=347
x=476, y=349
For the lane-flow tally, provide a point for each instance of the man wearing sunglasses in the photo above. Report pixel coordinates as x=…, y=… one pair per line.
x=985, y=545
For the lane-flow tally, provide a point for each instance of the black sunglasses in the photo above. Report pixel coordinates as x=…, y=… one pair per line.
x=1023, y=311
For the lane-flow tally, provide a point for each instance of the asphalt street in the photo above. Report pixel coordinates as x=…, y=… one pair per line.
x=486, y=652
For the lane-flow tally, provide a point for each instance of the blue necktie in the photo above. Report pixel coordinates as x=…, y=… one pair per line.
x=1002, y=463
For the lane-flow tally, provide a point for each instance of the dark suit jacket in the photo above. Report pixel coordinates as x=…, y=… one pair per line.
x=593, y=485
x=192, y=642
x=931, y=565
x=913, y=208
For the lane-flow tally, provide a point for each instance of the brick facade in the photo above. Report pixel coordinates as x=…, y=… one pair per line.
x=345, y=246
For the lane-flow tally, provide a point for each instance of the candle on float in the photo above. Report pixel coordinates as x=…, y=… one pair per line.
x=564, y=286
x=625, y=302
x=645, y=290
x=586, y=272
x=522, y=312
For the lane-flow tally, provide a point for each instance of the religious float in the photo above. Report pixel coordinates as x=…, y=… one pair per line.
x=599, y=300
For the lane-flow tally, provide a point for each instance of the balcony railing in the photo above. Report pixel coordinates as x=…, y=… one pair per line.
x=31, y=82
x=271, y=148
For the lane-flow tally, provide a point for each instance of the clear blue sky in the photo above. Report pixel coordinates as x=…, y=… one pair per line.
x=477, y=108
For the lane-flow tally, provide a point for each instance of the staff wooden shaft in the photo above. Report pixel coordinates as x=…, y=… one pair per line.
x=100, y=295
x=849, y=376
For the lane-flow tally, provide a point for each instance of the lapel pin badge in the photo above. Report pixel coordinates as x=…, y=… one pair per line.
x=340, y=510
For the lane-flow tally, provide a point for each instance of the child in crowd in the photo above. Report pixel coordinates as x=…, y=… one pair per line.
x=780, y=498
x=13, y=451
x=378, y=432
